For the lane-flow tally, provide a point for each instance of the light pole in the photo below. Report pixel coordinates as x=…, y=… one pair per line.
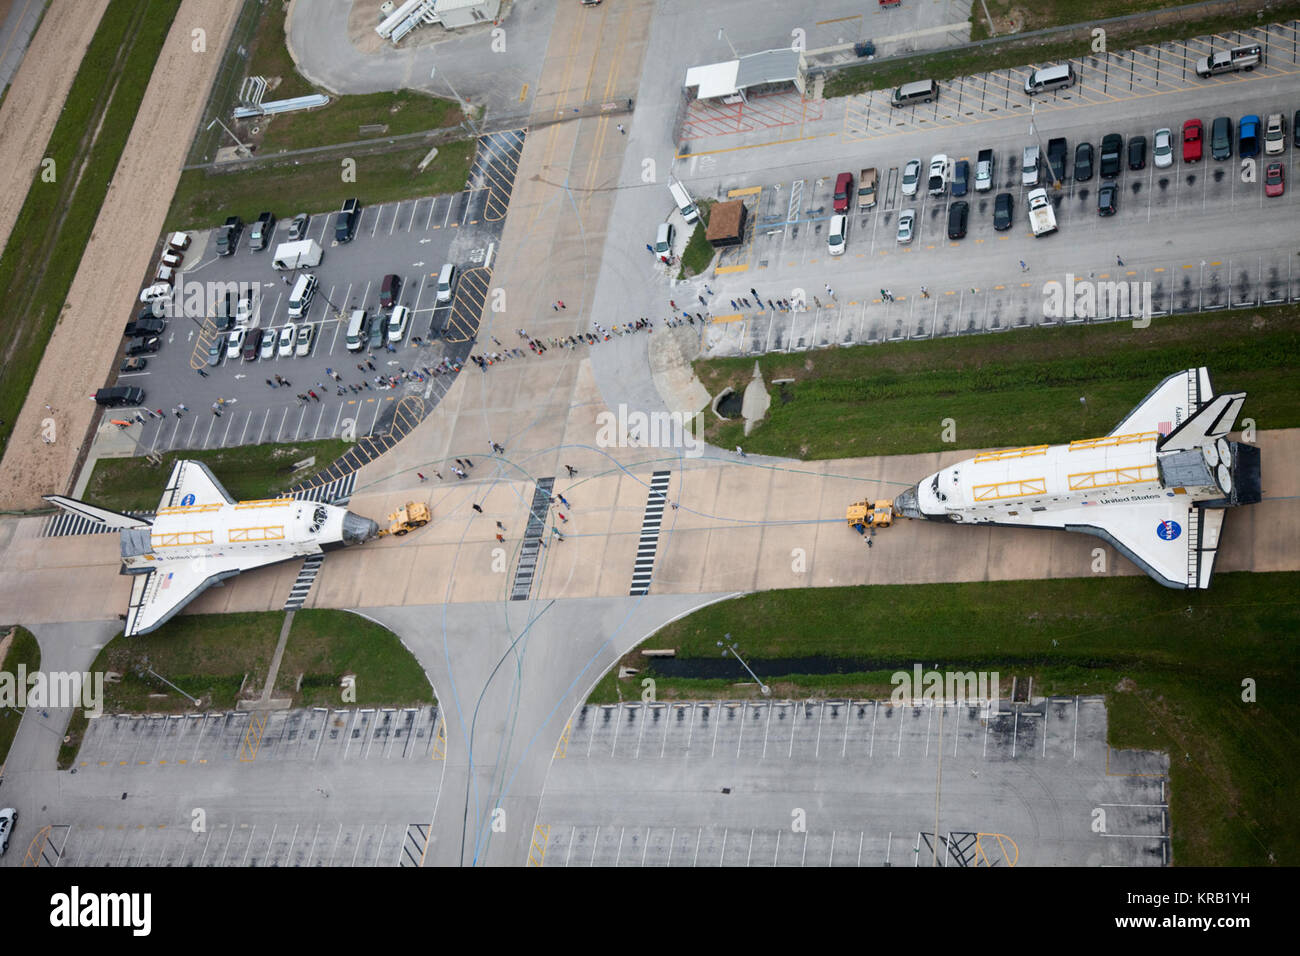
x=722, y=35
x=238, y=144
x=462, y=103
x=731, y=647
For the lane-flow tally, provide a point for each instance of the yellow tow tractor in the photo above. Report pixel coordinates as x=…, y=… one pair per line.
x=412, y=515
x=870, y=514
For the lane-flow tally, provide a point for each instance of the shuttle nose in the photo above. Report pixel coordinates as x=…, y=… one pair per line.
x=357, y=529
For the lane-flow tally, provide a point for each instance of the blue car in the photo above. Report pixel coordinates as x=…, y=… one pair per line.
x=960, y=177
x=1248, y=137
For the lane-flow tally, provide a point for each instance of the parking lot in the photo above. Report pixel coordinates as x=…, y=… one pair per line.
x=411, y=239
x=1020, y=786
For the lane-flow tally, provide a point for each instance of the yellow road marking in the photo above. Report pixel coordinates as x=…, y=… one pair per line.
x=724, y=319
x=724, y=270
x=750, y=191
x=537, y=851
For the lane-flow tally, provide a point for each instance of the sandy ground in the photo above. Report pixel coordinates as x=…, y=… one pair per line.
x=121, y=248
x=36, y=97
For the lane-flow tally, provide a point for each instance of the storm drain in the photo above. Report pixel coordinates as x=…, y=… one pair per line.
x=650, y=525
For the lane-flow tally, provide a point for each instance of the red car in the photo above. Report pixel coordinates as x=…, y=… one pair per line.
x=843, y=190
x=1193, y=133
x=1274, y=180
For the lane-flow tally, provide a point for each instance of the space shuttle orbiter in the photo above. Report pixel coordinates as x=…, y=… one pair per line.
x=200, y=535
x=1156, y=487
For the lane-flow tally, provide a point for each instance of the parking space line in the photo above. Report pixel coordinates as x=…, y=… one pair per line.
x=432, y=206
x=396, y=213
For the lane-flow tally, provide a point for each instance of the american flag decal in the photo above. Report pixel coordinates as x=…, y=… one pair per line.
x=1164, y=428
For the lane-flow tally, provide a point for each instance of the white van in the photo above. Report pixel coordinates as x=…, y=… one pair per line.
x=1050, y=78
x=300, y=297
x=357, y=330
x=684, y=202
x=664, y=239
x=446, y=282
x=397, y=323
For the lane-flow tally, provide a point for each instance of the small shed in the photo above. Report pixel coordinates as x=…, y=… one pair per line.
x=726, y=224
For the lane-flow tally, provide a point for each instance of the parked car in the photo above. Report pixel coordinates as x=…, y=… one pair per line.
x=8, y=817
x=252, y=342
x=377, y=332
x=118, y=396
x=228, y=236
x=302, y=342
x=1274, y=134
x=134, y=364
x=843, y=191
x=391, y=287
x=960, y=177
x=397, y=323
x=1221, y=138
x=1004, y=208
x=1274, y=180
x=285, y=348
x=244, y=313
x=1193, y=134
x=159, y=290
x=1162, y=148
x=911, y=176
x=345, y=226
x=958, y=214
x=298, y=226
x=143, y=345
x=837, y=234
x=1137, y=152
x=215, y=348
x=1295, y=129
x=1107, y=199
x=235, y=344
x=261, y=232
x=172, y=259
x=938, y=181
x=1057, y=150
x=266, y=348
x=145, y=326
x=1112, y=148
x=1083, y=162
x=906, y=222
x=1248, y=137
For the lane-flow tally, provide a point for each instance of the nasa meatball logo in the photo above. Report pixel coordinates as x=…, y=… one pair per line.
x=1168, y=530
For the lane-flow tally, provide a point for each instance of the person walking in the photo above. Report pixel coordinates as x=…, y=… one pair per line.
x=649, y=248
x=202, y=374
x=754, y=293
x=439, y=476
x=562, y=518
x=563, y=500
x=925, y=293
x=1118, y=260
x=420, y=475
x=501, y=539
x=468, y=463
x=477, y=508
x=216, y=409
x=1023, y=267
x=741, y=452
x=271, y=383
x=500, y=526
x=557, y=532
x=571, y=470
x=311, y=393
x=621, y=129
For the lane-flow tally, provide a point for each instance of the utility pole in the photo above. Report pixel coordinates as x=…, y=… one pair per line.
x=730, y=647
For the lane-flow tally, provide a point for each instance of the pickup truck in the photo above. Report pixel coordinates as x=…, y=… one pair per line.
x=984, y=171
x=228, y=236
x=1042, y=219
x=1057, y=150
x=1230, y=61
x=260, y=234
x=867, y=188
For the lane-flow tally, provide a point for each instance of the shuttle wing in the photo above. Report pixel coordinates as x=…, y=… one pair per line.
x=1169, y=404
x=191, y=483
x=1173, y=542
x=112, y=519
x=161, y=592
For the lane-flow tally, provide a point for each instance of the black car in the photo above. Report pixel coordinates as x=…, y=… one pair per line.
x=143, y=345
x=1137, y=152
x=1112, y=148
x=1083, y=162
x=147, y=325
x=960, y=177
x=119, y=396
x=1295, y=128
x=378, y=331
x=228, y=236
x=133, y=365
x=1221, y=138
x=1107, y=199
x=346, y=224
x=958, y=214
x=1003, y=210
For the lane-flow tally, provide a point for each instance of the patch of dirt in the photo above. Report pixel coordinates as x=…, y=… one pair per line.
x=1126, y=686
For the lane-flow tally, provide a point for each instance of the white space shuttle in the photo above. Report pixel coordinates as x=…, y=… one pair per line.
x=200, y=536
x=1155, y=488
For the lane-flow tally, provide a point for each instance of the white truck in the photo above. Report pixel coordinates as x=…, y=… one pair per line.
x=1042, y=219
x=297, y=255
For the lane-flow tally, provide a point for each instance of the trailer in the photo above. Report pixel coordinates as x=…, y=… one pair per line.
x=297, y=255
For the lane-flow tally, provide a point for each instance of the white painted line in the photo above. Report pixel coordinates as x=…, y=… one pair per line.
x=767, y=729
x=690, y=733
x=618, y=722
x=900, y=732
x=375, y=420
x=875, y=712
x=249, y=846
x=338, y=417
x=794, y=728
x=279, y=433
x=986, y=733
x=446, y=219
x=741, y=735
x=359, y=842
x=569, y=851
x=831, y=862
x=396, y=212
x=432, y=205
x=335, y=852
x=644, y=712
x=645, y=849
x=1015, y=729
x=698, y=834
x=671, y=841
x=1075, y=754
x=817, y=748
x=619, y=855
x=929, y=719
x=379, y=212
x=714, y=748
x=777, y=852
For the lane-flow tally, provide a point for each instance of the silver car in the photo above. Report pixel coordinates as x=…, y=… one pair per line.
x=8, y=819
x=1163, y=148
x=906, y=223
x=911, y=176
